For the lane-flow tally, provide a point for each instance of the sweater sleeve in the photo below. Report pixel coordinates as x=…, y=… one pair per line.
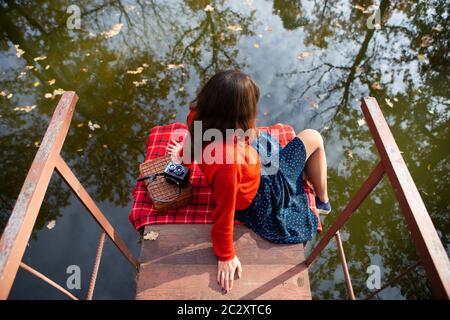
x=224, y=183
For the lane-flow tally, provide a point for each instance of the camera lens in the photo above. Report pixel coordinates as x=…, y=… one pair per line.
x=172, y=167
x=179, y=171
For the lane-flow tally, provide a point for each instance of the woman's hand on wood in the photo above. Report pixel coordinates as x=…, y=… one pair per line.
x=226, y=272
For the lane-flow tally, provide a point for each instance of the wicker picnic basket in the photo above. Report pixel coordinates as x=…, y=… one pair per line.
x=160, y=188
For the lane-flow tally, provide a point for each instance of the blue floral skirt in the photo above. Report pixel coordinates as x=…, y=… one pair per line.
x=280, y=212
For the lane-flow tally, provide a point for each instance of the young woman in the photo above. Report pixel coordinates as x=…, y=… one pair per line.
x=270, y=202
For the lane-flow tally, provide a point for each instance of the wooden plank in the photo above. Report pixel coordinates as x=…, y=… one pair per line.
x=180, y=264
x=423, y=232
x=20, y=224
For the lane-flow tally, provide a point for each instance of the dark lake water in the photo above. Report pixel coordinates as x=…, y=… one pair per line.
x=136, y=64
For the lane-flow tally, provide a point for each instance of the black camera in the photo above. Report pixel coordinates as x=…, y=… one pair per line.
x=177, y=173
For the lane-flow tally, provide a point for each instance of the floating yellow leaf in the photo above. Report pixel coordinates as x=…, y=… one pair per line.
x=303, y=55
x=113, y=32
x=29, y=67
x=361, y=122
x=36, y=84
x=40, y=58
x=9, y=96
x=256, y=45
x=93, y=126
x=174, y=66
x=145, y=65
x=234, y=28
x=58, y=92
x=181, y=89
x=421, y=57
x=25, y=108
x=137, y=71
x=51, y=82
x=209, y=8
x=84, y=69
x=51, y=224
x=48, y=95
x=105, y=146
x=140, y=83
x=389, y=103
x=79, y=125
x=3, y=93
x=80, y=150
x=19, y=52
x=47, y=67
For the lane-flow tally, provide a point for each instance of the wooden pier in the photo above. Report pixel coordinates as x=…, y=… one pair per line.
x=180, y=264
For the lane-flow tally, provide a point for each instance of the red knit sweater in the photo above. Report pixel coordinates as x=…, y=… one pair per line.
x=234, y=185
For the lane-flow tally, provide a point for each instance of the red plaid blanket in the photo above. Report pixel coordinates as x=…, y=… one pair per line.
x=200, y=210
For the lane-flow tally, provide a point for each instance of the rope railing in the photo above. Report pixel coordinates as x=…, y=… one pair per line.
x=20, y=225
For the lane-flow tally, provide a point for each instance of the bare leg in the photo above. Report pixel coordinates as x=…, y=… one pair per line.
x=316, y=162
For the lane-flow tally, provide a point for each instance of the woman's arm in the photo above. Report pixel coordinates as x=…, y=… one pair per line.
x=224, y=180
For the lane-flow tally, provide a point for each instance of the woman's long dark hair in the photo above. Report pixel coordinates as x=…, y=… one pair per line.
x=227, y=101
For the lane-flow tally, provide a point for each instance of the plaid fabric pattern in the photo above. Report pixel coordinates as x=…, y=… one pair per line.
x=200, y=210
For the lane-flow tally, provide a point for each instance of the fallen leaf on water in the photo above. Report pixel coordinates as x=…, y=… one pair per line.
x=350, y=154
x=84, y=69
x=173, y=116
x=105, y=146
x=389, y=103
x=181, y=89
x=303, y=55
x=395, y=99
x=174, y=66
x=93, y=126
x=151, y=235
x=429, y=166
x=19, y=52
x=79, y=125
x=3, y=93
x=137, y=71
x=269, y=29
x=51, y=82
x=426, y=41
x=51, y=224
x=37, y=144
x=140, y=83
x=40, y=58
x=265, y=113
x=421, y=57
x=47, y=67
x=113, y=32
x=109, y=103
x=36, y=84
x=315, y=105
x=235, y=27
x=21, y=75
x=361, y=122
x=25, y=108
x=376, y=86
x=360, y=8
x=80, y=150
x=145, y=65
x=209, y=8
x=9, y=96
x=48, y=95
x=58, y=92
x=29, y=67
x=256, y=45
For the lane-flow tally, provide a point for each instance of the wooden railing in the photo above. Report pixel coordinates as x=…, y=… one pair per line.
x=23, y=217
x=432, y=254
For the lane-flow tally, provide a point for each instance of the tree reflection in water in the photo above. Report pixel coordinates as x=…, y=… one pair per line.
x=314, y=61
